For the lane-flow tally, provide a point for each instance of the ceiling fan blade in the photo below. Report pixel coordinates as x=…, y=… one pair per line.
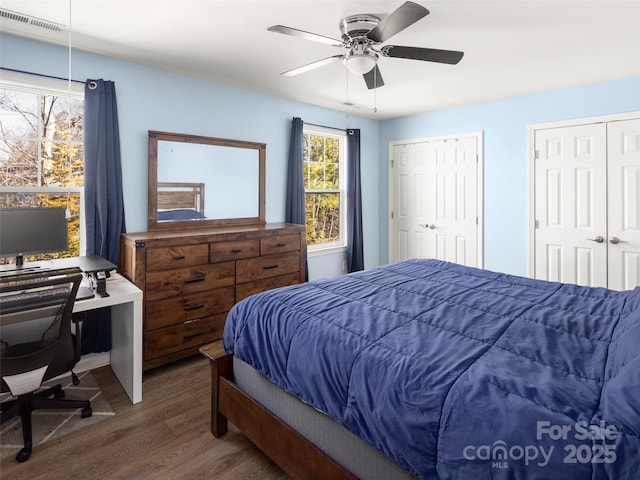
x=373, y=78
x=307, y=35
x=425, y=54
x=405, y=15
x=311, y=66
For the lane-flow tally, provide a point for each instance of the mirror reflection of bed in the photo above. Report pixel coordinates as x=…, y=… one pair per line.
x=180, y=201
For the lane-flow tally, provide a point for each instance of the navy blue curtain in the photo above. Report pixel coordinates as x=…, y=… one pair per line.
x=355, y=255
x=104, y=206
x=295, y=207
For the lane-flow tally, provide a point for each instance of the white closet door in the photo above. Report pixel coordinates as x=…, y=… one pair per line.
x=451, y=208
x=435, y=200
x=409, y=210
x=624, y=204
x=570, y=204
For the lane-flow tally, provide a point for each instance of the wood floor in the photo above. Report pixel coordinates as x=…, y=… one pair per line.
x=166, y=436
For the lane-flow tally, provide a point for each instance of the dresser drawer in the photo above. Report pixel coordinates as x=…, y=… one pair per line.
x=224, y=251
x=160, y=285
x=176, y=257
x=193, y=306
x=243, y=290
x=279, y=244
x=267, y=266
x=165, y=341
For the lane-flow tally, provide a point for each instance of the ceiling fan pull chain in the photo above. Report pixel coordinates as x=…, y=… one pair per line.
x=347, y=103
x=375, y=91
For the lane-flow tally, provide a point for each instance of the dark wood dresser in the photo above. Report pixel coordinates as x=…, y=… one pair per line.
x=192, y=278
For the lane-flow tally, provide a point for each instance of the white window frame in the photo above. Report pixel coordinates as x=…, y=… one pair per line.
x=341, y=135
x=62, y=88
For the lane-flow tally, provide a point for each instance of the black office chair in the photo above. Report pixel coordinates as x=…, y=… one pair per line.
x=37, y=345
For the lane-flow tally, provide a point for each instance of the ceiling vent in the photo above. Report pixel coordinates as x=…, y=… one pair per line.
x=28, y=20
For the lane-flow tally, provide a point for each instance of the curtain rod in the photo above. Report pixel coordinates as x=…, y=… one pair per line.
x=348, y=131
x=324, y=126
x=40, y=75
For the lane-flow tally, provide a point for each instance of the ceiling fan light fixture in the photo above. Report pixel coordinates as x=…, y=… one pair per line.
x=360, y=63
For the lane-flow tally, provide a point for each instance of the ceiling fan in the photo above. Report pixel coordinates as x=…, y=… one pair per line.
x=361, y=36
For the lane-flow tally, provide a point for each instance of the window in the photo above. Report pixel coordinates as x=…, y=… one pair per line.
x=324, y=183
x=41, y=149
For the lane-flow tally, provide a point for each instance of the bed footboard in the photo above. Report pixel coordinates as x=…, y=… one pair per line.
x=298, y=457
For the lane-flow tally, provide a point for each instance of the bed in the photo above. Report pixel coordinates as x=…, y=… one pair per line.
x=180, y=201
x=428, y=369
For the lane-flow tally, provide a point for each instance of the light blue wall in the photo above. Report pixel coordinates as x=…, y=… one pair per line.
x=505, y=126
x=152, y=99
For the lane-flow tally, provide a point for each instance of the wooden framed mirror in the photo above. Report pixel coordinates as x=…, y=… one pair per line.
x=198, y=182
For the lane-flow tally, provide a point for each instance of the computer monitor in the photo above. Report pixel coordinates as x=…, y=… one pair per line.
x=31, y=231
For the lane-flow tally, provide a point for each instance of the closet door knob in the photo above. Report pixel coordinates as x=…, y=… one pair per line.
x=598, y=239
x=614, y=240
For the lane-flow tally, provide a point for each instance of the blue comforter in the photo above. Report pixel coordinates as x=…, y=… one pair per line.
x=179, y=214
x=459, y=373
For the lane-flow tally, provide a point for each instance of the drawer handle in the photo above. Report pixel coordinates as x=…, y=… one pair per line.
x=193, y=335
x=178, y=257
x=236, y=250
x=281, y=244
x=193, y=307
x=270, y=267
x=195, y=280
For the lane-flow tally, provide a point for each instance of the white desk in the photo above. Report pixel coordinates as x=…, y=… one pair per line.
x=125, y=300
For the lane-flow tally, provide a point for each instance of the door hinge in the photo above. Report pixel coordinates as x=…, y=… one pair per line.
x=391, y=163
x=536, y=154
x=392, y=214
x=536, y=224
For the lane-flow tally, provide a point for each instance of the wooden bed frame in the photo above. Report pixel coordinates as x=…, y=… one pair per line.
x=293, y=453
x=175, y=195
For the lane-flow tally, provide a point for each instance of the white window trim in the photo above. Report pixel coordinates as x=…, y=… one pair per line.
x=340, y=246
x=35, y=83
x=325, y=250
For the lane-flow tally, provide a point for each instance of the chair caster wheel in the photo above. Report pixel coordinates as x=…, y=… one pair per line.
x=59, y=394
x=23, y=455
x=86, y=412
x=75, y=379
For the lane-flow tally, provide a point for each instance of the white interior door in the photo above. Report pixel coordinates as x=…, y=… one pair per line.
x=451, y=231
x=586, y=202
x=624, y=204
x=570, y=204
x=409, y=200
x=435, y=200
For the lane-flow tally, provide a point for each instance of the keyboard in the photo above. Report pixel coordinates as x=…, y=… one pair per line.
x=37, y=298
x=21, y=274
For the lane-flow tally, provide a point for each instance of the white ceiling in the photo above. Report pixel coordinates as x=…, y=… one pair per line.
x=512, y=47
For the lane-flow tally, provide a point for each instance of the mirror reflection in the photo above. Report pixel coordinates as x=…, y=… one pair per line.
x=227, y=182
x=204, y=181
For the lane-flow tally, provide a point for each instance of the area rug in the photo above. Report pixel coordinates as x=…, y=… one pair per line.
x=54, y=424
